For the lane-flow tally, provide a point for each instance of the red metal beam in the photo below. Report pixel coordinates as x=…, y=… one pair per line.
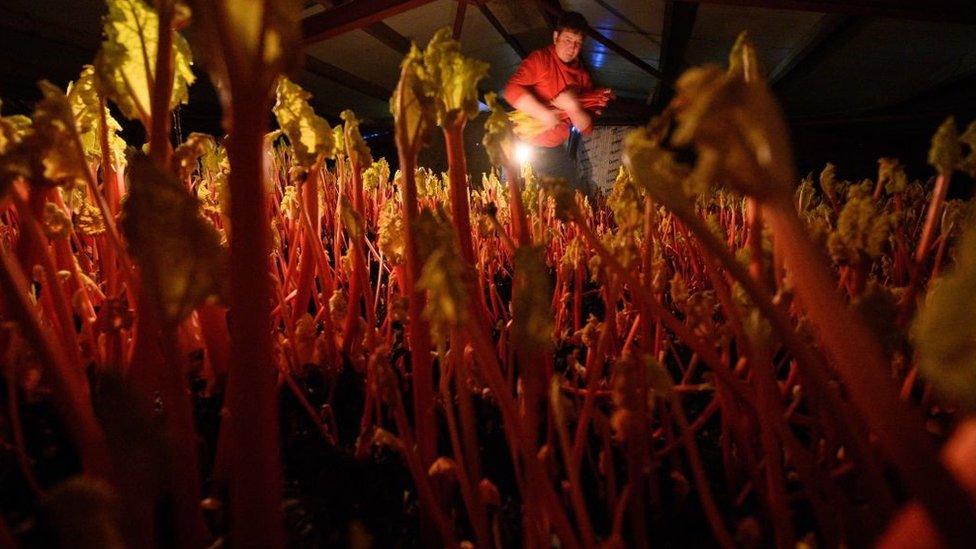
x=352, y=16
x=948, y=11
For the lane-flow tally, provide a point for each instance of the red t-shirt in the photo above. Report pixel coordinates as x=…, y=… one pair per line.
x=544, y=75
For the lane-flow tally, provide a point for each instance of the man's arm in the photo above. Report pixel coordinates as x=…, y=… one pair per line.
x=528, y=104
x=518, y=92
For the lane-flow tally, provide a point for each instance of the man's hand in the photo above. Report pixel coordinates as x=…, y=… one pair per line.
x=569, y=102
x=581, y=119
x=546, y=117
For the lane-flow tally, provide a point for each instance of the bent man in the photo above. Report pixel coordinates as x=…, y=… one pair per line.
x=548, y=86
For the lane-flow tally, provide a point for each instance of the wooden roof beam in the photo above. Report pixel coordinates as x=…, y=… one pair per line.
x=500, y=29
x=946, y=11
x=350, y=16
x=826, y=29
x=830, y=33
x=459, y=9
x=380, y=31
x=316, y=66
x=550, y=10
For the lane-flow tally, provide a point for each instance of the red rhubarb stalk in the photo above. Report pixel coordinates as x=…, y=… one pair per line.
x=251, y=397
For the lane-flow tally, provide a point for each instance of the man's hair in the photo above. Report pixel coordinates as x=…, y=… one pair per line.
x=572, y=21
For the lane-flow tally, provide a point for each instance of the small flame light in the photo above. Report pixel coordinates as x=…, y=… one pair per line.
x=523, y=153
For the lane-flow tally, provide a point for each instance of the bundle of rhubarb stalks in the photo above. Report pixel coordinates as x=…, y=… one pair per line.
x=274, y=338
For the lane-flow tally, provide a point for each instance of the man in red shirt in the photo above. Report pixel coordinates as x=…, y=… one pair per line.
x=547, y=86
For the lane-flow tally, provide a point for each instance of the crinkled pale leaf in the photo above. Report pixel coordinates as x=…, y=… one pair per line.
x=56, y=154
x=14, y=155
x=946, y=151
x=453, y=76
x=499, y=140
x=626, y=202
x=12, y=130
x=196, y=146
x=828, y=179
x=85, y=104
x=179, y=254
x=126, y=64
x=945, y=329
x=351, y=220
x=412, y=104
x=862, y=232
x=443, y=275
x=291, y=204
x=74, y=197
x=89, y=221
x=564, y=197
x=392, y=237
x=737, y=128
x=375, y=175
x=339, y=139
x=215, y=161
x=743, y=60
x=356, y=147
x=309, y=134
x=893, y=174
x=655, y=169
x=429, y=183
x=56, y=222
x=532, y=328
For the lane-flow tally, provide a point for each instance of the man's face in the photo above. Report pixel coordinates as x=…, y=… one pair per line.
x=568, y=45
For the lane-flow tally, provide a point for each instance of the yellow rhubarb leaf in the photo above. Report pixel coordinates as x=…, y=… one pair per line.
x=412, y=104
x=187, y=156
x=737, y=128
x=453, y=76
x=946, y=151
x=444, y=274
x=377, y=174
x=178, y=251
x=499, y=140
x=532, y=328
x=655, y=168
x=12, y=130
x=85, y=104
x=356, y=147
x=309, y=134
x=14, y=161
x=943, y=329
x=126, y=64
x=392, y=233
x=57, y=157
